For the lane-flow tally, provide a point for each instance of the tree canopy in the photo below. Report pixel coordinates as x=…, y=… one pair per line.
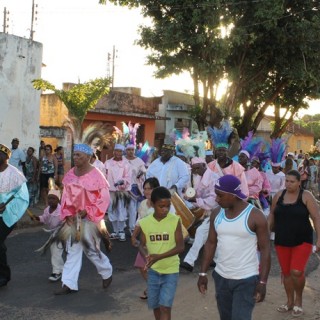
x=267, y=50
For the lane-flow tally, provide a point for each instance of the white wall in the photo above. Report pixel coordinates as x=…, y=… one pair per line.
x=20, y=63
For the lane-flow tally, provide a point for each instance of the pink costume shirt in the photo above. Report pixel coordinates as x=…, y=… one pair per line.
x=277, y=181
x=204, y=186
x=116, y=171
x=235, y=169
x=254, y=181
x=52, y=220
x=137, y=166
x=266, y=184
x=88, y=192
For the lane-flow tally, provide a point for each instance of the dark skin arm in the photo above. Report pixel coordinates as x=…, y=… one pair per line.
x=208, y=253
x=258, y=224
x=152, y=258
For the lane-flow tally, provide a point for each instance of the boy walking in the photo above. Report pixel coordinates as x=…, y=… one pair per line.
x=161, y=243
x=51, y=218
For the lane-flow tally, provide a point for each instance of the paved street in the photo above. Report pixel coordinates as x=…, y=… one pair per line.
x=30, y=295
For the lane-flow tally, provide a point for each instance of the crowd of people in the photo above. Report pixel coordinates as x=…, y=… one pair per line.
x=227, y=205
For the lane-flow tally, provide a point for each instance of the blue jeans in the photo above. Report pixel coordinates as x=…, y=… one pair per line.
x=235, y=298
x=161, y=289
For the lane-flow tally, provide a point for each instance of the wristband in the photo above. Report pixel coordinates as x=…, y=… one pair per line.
x=202, y=274
x=263, y=282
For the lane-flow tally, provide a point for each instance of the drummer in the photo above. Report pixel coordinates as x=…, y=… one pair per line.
x=171, y=171
x=203, y=181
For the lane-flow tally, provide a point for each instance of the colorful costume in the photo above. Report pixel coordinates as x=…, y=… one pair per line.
x=12, y=186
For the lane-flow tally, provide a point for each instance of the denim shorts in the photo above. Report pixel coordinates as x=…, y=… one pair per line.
x=161, y=289
x=235, y=298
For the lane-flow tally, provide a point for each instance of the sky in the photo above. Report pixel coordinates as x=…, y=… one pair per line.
x=77, y=36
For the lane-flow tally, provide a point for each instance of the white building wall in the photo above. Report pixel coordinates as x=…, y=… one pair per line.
x=20, y=63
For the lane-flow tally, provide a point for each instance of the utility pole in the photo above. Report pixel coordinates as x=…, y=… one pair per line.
x=111, y=59
x=5, y=20
x=33, y=18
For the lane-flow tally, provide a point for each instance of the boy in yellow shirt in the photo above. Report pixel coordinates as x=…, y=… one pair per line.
x=161, y=242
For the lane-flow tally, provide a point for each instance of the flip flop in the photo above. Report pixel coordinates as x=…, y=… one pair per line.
x=297, y=311
x=144, y=296
x=284, y=308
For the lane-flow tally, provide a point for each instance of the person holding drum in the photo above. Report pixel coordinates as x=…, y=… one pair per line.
x=204, y=197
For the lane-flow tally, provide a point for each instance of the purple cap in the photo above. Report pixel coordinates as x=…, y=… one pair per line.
x=230, y=184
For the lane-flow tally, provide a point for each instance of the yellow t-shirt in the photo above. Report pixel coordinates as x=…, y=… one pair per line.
x=160, y=238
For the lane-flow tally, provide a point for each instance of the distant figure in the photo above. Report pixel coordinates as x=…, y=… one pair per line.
x=42, y=149
x=59, y=155
x=31, y=173
x=18, y=158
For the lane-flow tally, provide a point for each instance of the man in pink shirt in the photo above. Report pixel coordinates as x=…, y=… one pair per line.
x=204, y=181
x=224, y=165
x=84, y=202
x=119, y=177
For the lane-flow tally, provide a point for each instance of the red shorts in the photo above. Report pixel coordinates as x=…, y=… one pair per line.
x=293, y=258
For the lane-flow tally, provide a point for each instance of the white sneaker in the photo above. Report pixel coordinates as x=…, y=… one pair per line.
x=122, y=236
x=114, y=235
x=55, y=277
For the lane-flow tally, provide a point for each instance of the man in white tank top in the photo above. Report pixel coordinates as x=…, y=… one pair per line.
x=237, y=230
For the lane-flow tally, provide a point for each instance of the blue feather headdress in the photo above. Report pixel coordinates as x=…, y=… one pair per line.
x=252, y=145
x=220, y=136
x=278, y=151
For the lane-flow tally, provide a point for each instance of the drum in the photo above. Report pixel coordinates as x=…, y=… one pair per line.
x=198, y=215
x=187, y=218
x=190, y=192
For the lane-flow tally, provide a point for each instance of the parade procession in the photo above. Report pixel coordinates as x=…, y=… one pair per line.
x=198, y=202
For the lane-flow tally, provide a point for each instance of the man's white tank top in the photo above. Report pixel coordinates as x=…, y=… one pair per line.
x=236, y=254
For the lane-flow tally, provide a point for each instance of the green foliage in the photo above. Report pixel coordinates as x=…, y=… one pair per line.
x=312, y=123
x=80, y=98
x=271, y=55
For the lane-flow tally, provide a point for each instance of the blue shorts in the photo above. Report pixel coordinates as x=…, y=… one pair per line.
x=161, y=289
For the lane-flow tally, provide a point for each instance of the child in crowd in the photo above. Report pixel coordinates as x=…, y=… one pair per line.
x=161, y=243
x=145, y=208
x=51, y=218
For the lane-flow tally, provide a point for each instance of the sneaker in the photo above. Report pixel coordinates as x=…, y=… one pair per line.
x=186, y=266
x=114, y=235
x=55, y=277
x=122, y=236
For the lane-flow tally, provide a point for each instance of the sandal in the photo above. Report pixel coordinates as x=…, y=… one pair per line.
x=144, y=296
x=284, y=308
x=297, y=311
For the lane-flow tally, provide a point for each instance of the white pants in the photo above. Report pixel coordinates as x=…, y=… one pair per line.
x=132, y=213
x=200, y=239
x=73, y=263
x=57, y=262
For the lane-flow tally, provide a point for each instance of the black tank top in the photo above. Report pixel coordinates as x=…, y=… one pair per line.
x=291, y=223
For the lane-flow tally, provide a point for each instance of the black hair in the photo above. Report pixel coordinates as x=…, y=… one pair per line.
x=58, y=149
x=160, y=193
x=32, y=149
x=153, y=182
x=294, y=173
x=49, y=146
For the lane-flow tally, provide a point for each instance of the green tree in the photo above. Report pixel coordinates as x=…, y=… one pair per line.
x=270, y=54
x=79, y=99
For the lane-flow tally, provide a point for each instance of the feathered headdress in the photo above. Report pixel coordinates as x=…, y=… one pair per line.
x=278, y=151
x=127, y=137
x=220, y=136
x=145, y=153
x=94, y=136
x=189, y=146
x=251, y=146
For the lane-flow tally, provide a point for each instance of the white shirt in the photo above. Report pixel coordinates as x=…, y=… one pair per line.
x=17, y=156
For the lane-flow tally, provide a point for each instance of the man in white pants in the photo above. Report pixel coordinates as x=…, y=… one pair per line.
x=204, y=181
x=85, y=200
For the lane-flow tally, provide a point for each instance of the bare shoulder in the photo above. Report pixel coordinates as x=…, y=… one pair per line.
x=257, y=219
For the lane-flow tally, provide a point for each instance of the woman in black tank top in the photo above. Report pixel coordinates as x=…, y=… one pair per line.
x=289, y=218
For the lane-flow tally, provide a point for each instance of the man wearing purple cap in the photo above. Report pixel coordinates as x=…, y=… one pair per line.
x=237, y=229
x=119, y=178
